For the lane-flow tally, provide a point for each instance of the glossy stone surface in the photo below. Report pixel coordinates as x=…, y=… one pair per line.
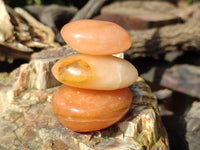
x=95, y=72
x=96, y=37
x=88, y=110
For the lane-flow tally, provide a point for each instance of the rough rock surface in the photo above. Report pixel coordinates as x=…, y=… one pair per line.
x=183, y=78
x=27, y=120
x=5, y=24
x=22, y=34
x=139, y=14
x=192, y=120
x=55, y=16
x=153, y=42
x=172, y=28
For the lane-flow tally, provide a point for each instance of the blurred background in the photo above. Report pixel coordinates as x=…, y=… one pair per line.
x=165, y=50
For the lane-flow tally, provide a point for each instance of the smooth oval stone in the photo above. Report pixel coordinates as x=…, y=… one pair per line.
x=95, y=72
x=86, y=110
x=96, y=37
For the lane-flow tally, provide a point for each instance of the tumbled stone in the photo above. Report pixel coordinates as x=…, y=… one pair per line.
x=89, y=110
x=95, y=72
x=96, y=37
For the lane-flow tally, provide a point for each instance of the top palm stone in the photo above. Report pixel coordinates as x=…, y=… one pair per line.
x=95, y=37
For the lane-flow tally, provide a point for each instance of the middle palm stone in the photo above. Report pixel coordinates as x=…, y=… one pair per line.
x=95, y=72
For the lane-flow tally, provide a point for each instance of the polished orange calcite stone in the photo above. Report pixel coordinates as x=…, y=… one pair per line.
x=86, y=110
x=95, y=72
x=96, y=37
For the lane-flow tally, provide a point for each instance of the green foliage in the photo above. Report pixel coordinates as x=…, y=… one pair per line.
x=189, y=2
x=34, y=2
x=105, y=137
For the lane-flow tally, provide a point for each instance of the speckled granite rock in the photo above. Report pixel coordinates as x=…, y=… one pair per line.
x=27, y=120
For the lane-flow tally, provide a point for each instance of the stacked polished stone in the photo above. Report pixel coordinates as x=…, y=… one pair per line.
x=94, y=94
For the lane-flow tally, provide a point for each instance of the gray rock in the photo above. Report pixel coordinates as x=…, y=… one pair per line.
x=183, y=78
x=192, y=119
x=139, y=14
